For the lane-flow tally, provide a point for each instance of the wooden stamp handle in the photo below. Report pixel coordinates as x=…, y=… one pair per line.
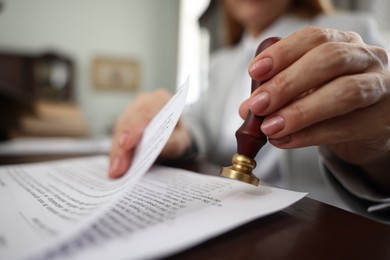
x=249, y=137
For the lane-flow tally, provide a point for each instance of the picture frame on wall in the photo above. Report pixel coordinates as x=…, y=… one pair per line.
x=115, y=74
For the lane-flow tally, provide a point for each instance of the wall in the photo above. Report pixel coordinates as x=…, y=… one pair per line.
x=145, y=30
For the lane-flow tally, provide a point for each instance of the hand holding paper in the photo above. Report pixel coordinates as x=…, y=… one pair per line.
x=138, y=120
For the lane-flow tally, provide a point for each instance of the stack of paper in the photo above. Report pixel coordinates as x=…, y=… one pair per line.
x=70, y=209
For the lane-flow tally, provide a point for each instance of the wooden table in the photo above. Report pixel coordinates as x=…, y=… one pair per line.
x=306, y=230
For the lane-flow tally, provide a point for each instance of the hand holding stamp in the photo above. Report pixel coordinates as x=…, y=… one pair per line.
x=249, y=137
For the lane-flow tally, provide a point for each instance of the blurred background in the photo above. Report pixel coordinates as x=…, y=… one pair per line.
x=68, y=68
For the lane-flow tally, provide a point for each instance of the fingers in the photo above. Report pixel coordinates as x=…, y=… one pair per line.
x=130, y=127
x=120, y=161
x=350, y=135
x=304, y=61
x=357, y=136
x=285, y=52
x=313, y=70
x=337, y=98
x=126, y=138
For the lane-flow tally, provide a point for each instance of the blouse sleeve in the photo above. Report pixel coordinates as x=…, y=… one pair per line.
x=350, y=182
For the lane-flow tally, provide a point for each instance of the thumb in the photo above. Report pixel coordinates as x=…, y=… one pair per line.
x=244, y=109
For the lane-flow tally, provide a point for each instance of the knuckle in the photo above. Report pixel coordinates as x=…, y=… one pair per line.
x=352, y=37
x=327, y=35
x=337, y=54
x=320, y=35
x=375, y=57
x=282, y=85
x=376, y=88
x=342, y=56
x=381, y=55
x=340, y=59
x=354, y=92
x=298, y=112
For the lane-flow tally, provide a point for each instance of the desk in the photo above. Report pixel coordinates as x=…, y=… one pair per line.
x=306, y=230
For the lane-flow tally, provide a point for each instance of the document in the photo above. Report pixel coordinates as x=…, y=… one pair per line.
x=69, y=209
x=54, y=146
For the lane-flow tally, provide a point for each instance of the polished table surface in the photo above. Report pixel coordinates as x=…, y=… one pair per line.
x=306, y=230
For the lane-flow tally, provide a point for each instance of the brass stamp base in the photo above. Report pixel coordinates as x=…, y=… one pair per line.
x=241, y=170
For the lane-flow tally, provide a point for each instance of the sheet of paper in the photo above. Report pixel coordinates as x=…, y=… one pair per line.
x=168, y=211
x=174, y=209
x=44, y=204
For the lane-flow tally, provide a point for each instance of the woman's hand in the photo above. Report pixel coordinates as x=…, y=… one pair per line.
x=131, y=125
x=326, y=87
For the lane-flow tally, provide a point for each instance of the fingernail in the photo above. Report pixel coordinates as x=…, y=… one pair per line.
x=278, y=141
x=272, y=125
x=114, y=167
x=259, y=102
x=261, y=67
